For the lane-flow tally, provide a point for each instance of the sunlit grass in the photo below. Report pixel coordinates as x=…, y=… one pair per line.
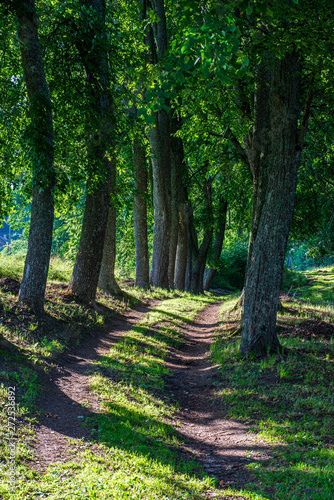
x=288, y=400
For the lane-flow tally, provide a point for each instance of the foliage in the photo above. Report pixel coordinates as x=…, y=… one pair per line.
x=232, y=266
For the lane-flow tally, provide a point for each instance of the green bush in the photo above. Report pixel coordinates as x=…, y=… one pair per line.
x=292, y=279
x=232, y=265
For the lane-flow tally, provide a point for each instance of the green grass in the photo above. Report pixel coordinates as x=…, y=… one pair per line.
x=315, y=287
x=135, y=453
x=288, y=400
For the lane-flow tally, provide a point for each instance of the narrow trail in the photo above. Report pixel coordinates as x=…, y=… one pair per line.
x=223, y=446
x=68, y=399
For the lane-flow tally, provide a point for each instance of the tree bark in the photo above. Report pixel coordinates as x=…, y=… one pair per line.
x=274, y=158
x=182, y=248
x=40, y=138
x=140, y=214
x=217, y=246
x=178, y=198
x=107, y=282
x=159, y=137
x=99, y=139
x=199, y=253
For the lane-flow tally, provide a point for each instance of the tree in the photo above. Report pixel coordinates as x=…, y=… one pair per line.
x=92, y=46
x=140, y=213
x=39, y=143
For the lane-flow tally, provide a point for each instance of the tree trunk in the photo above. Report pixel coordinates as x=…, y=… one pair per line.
x=182, y=248
x=199, y=254
x=107, y=282
x=160, y=147
x=40, y=137
x=99, y=139
x=159, y=137
x=217, y=246
x=140, y=214
x=274, y=160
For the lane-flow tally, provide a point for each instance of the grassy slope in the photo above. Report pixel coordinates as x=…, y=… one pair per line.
x=134, y=454
x=288, y=400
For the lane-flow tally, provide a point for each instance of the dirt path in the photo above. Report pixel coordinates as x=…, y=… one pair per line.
x=68, y=400
x=223, y=446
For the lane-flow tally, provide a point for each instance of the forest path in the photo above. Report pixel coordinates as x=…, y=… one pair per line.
x=224, y=446
x=68, y=400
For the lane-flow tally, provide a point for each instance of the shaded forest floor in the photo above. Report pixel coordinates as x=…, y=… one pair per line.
x=146, y=397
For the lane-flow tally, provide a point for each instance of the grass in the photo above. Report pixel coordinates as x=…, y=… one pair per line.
x=288, y=400
x=135, y=453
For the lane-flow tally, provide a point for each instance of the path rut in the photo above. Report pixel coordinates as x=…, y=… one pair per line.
x=224, y=446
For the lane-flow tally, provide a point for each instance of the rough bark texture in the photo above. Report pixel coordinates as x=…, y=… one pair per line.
x=274, y=156
x=217, y=246
x=178, y=174
x=199, y=253
x=107, y=281
x=40, y=137
x=140, y=214
x=159, y=137
x=99, y=130
x=182, y=248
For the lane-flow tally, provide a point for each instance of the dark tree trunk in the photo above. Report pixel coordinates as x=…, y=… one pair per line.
x=200, y=253
x=140, y=214
x=274, y=158
x=159, y=137
x=107, y=282
x=174, y=225
x=182, y=248
x=178, y=199
x=40, y=136
x=217, y=246
x=99, y=130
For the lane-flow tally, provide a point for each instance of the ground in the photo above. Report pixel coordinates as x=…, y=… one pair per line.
x=147, y=398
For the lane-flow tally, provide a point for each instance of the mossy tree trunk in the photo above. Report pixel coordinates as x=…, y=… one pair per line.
x=140, y=213
x=159, y=137
x=92, y=46
x=217, y=245
x=107, y=282
x=274, y=156
x=40, y=138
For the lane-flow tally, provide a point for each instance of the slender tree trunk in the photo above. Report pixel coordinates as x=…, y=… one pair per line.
x=140, y=214
x=217, y=246
x=107, y=282
x=200, y=253
x=40, y=137
x=182, y=248
x=275, y=157
x=174, y=226
x=99, y=130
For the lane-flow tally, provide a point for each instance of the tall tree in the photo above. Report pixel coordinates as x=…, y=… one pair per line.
x=140, y=213
x=274, y=153
x=92, y=44
x=159, y=137
x=39, y=141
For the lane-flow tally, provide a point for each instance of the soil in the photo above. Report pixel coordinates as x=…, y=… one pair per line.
x=312, y=329
x=223, y=446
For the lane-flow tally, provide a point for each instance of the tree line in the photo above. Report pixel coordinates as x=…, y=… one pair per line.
x=212, y=106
